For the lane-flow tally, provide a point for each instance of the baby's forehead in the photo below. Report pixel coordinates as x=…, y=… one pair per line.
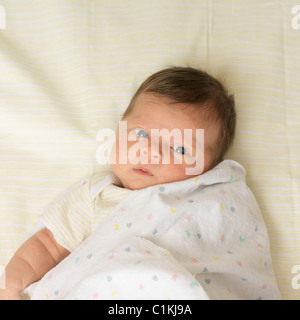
x=201, y=109
x=150, y=106
x=199, y=112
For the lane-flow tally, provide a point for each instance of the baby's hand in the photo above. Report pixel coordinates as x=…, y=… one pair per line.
x=10, y=294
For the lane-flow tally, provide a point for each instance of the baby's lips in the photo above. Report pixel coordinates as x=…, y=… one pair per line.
x=143, y=171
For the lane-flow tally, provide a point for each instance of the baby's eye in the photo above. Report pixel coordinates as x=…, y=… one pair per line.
x=141, y=133
x=180, y=150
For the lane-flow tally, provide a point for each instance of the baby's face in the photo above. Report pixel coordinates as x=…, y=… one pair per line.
x=158, y=148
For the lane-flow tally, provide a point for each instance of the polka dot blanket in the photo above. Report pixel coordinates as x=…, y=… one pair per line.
x=201, y=238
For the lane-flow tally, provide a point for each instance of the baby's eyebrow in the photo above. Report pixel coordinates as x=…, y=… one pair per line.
x=135, y=124
x=138, y=121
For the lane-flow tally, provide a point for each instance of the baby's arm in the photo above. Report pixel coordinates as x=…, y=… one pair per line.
x=31, y=262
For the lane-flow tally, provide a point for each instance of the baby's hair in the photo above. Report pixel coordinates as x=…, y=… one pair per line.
x=199, y=91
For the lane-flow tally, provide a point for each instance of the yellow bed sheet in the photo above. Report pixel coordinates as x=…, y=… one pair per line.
x=69, y=67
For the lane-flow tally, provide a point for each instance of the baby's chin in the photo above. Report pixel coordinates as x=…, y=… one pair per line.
x=137, y=184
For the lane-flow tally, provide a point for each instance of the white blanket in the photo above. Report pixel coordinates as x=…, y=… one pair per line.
x=202, y=238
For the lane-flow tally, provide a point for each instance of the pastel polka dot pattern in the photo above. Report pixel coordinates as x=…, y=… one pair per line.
x=195, y=239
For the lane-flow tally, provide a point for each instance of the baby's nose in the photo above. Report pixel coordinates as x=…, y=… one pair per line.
x=152, y=152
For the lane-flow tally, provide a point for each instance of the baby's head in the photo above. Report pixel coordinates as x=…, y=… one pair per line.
x=162, y=122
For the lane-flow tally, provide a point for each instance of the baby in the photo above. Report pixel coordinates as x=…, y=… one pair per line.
x=174, y=101
x=165, y=122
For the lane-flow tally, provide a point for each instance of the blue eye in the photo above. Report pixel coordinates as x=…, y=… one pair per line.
x=180, y=150
x=142, y=133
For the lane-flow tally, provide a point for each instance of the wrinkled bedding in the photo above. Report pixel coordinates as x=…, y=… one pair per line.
x=69, y=68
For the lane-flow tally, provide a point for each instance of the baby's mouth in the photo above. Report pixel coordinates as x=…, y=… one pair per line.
x=142, y=171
